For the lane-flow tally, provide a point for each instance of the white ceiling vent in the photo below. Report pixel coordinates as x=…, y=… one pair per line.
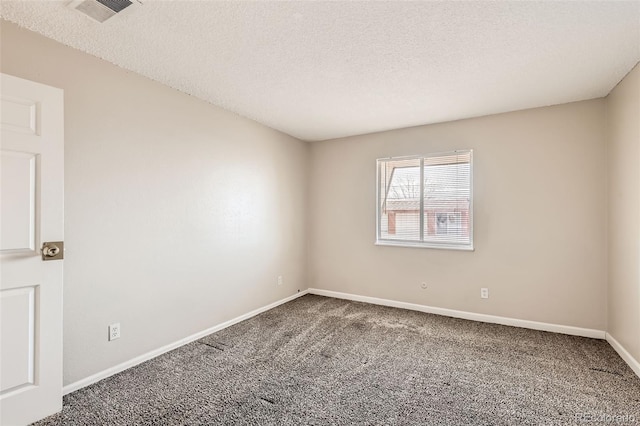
x=100, y=10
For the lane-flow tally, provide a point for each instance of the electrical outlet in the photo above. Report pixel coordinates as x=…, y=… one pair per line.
x=484, y=293
x=114, y=331
x=280, y=280
x=424, y=286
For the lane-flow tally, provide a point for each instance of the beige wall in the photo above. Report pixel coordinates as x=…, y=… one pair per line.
x=179, y=215
x=540, y=210
x=623, y=108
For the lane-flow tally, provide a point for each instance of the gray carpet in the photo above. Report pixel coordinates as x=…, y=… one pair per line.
x=324, y=361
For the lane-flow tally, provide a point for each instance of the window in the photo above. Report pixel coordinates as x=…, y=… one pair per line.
x=426, y=201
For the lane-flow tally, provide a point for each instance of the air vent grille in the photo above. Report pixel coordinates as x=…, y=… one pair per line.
x=115, y=5
x=100, y=10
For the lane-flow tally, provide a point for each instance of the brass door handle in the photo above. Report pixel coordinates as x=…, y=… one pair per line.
x=53, y=251
x=50, y=250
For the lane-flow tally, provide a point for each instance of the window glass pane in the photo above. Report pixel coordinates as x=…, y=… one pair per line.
x=426, y=200
x=447, y=196
x=400, y=200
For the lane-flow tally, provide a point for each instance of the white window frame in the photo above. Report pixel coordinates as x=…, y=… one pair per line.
x=422, y=243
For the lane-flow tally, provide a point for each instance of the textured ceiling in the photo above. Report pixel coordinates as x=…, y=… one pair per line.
x=318, y=70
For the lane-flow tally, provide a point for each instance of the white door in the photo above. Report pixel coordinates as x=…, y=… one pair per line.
x=31, y=213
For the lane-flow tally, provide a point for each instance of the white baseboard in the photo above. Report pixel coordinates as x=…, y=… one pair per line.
x=555, y=328
x=624, y=354
x=171, y=346
x=535, y=325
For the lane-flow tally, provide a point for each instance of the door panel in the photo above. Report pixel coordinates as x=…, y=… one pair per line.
x=19, y=115
x=17, y=311
x=31, y=211
x=18, y=189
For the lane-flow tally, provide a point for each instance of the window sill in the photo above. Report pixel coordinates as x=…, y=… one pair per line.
x=410, y=244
